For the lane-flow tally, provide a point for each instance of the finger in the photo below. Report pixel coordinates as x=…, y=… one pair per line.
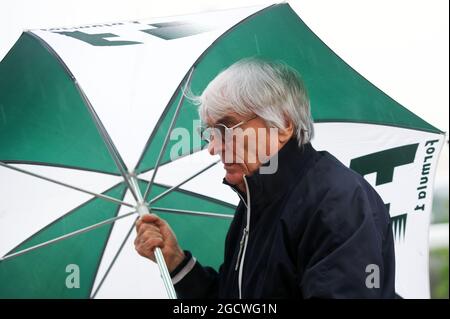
x=137, y=242
x=151, y=244
x=138, y=224
x=152, y=218
x=148, y=245
x=143, y=222
x=148, y=227
x=151, y=234
x=145, y=252
x=149, y=218
x=145, y=234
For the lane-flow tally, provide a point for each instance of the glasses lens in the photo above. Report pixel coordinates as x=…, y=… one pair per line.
x=206, y=133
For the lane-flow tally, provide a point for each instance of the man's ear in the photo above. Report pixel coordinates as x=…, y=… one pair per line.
x=285, y=134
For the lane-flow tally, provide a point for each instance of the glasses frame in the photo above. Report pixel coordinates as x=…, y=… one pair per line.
x=203, y=129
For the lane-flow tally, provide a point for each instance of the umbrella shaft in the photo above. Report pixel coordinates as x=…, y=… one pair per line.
x=165, y=275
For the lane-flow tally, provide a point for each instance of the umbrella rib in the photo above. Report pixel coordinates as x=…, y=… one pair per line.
x=101, y=196
x=66, y=236
x=166, y=139
x=101, y=129
x=191, y=212
x=113, y=261
x=108, y=141
x=168, y=191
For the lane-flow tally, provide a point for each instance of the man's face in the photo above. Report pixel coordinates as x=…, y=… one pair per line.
x=243, y=149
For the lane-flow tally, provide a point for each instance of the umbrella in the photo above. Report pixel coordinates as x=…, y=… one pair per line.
x=95, y=128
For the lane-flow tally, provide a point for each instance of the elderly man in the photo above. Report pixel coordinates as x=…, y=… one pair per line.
x=306, y=226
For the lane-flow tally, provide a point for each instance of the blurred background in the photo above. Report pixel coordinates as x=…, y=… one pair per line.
x=401, y=46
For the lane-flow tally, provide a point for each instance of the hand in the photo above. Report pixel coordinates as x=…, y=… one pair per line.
x=153, y=232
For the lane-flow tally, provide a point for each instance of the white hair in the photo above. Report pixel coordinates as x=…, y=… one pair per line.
x=270, y=90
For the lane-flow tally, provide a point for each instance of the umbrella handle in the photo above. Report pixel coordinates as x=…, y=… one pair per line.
x=165, y=274
x=142, y=209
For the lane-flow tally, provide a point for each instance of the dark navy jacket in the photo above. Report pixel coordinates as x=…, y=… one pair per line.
x=317, y=230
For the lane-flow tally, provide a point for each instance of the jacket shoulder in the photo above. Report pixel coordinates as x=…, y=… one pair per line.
x=338, y=195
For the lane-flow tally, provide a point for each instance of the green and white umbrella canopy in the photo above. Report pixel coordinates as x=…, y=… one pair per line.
x=90, y=107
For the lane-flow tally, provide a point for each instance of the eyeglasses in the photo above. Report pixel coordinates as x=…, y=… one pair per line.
x=207, y=133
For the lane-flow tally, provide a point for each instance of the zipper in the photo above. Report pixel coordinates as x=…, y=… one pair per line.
x=241, y=246
x=244, y=241
x=244, y=233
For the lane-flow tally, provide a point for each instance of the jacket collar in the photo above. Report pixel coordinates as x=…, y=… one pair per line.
x=292, y=165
